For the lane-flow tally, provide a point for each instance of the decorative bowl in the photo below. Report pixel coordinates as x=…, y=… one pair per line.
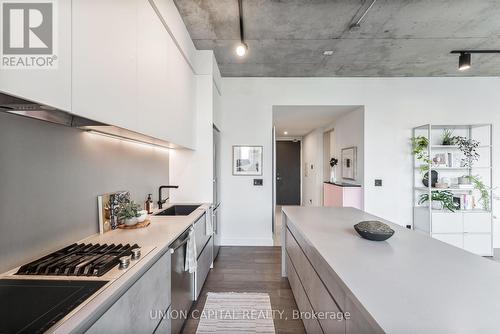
x=374, y=230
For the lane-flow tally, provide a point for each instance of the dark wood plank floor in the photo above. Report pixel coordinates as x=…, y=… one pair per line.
x=251, y=269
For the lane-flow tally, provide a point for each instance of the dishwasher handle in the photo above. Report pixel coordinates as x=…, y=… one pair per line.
x=172, y=250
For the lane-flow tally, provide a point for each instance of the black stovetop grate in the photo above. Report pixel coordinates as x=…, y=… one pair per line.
x=79, y=260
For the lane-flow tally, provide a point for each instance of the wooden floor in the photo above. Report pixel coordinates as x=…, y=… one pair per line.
x=251, y=269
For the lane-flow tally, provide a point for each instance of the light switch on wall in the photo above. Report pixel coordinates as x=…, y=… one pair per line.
x=378, y=183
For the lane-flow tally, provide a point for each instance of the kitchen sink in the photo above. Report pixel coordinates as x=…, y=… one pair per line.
x=178, y=210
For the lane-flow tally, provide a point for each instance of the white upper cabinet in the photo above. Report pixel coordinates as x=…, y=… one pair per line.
x=127, y=71
x=166, y=84
x=105, y=61
x=50, y=86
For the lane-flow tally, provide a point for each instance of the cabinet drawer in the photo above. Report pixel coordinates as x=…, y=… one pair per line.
x=456, y=240
x=131, y=313
x=200, y=234
x=311, y=325
x=204, y=263
x=479, y=244
x=447, y=223
x=477, y=222
x=319, y=296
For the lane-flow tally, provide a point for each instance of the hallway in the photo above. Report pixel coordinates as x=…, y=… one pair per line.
x=251, y=269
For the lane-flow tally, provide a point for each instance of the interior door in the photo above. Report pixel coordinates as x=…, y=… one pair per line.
x=288, y=173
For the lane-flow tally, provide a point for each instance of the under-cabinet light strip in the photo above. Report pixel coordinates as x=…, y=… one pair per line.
x=135, y=141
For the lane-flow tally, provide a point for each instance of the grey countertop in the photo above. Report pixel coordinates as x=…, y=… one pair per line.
x=410, y=283
x=154, y=241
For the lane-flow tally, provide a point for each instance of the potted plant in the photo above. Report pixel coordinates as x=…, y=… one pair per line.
x=419, y=147
x=128, y=213
x=448, y=137
x=440, y=199
x=483, y=191
x=333, y=162
x=468, y=147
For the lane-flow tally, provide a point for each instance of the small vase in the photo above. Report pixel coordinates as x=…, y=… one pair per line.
x=130, y=221
x=333, y=179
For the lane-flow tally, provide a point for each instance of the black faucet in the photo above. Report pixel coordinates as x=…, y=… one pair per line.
x=160, y=201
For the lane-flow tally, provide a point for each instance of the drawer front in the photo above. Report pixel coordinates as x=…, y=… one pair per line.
x=132, y=312
x=311, y=325
x=456, y=240
x=200, y=234
x=447, y=222
x=204, y=263
x=477, y=222
x=479, y=244
x=319, y=297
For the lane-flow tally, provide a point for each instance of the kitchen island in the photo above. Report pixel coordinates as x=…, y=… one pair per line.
x=410, y=283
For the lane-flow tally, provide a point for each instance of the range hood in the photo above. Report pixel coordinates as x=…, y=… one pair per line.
x=14, y=105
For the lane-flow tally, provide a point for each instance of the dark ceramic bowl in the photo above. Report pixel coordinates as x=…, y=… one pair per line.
x=374, y=230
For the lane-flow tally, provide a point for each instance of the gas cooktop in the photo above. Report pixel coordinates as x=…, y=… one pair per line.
x=82, y=260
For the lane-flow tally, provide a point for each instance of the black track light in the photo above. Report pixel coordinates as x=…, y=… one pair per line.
x=464, y=61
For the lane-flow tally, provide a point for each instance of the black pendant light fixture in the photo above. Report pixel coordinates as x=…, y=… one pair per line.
x=242, y=47
x=464, y=60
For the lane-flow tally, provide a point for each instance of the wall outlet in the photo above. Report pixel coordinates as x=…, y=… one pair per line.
x=258, y=182
x=378, y=183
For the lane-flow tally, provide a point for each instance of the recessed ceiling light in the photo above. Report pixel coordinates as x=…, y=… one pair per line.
x=464, y=61
x=328, y=53
x=285, y=133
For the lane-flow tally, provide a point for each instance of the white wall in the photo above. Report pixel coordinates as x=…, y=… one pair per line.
x=392, y=107
x=348, y=132
x=312, y=186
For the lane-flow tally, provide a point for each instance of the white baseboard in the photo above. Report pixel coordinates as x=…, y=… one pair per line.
x=247, y=242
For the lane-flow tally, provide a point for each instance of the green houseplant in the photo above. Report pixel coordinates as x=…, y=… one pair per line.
x=479, y=185
x=448, y=137
x=468, y=147
x=440, y=199
x=128, y=213
x=419, y=147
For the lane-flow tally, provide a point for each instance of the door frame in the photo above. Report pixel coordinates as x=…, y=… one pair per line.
x=276, y=139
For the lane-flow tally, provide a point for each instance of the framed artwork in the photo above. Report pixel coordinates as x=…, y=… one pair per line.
x=349, y=163
x=247, y=160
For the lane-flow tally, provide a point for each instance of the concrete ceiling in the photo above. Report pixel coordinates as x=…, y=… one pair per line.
x=298, y=121
x=286, y=38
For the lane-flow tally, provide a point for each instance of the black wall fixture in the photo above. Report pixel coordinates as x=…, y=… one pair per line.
x=464, y=60
x=242, y=48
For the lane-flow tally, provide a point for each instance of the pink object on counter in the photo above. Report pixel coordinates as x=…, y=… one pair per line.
x=342, y=196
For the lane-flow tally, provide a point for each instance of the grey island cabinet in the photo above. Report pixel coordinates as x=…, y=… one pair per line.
x=410, y=283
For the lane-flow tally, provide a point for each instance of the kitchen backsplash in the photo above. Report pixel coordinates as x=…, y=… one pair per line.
x=50, y=177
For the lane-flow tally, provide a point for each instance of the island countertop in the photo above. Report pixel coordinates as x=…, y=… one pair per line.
x=410, y=283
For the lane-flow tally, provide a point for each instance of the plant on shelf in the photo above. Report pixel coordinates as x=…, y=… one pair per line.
x=444, y=197
x=468, y=147
x=128, y=212
x=419, y=146
x=479, y=185
x=448, y=137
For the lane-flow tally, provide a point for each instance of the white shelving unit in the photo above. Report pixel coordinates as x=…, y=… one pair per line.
x=471, y=229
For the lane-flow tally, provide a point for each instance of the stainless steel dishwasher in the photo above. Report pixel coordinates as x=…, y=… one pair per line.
x=182, y=284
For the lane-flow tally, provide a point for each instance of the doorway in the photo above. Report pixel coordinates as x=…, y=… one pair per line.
x=288, y=172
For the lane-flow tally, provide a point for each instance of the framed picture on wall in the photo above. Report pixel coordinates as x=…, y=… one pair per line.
x=349, y=163
x=247, y=160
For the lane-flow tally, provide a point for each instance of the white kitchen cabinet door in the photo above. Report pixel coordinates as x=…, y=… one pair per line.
x=477, y=222
x=105, y=61
x=447, y=222
x=456, y=240
x=166, y=84
x=46, y=86
x=478, y=243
